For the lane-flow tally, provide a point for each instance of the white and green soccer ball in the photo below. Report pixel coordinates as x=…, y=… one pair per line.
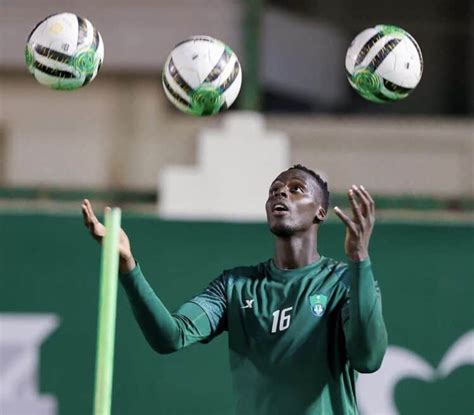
x=64, y=51
x=202, y=76
x=384, y=63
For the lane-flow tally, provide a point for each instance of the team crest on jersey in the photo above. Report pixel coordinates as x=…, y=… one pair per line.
x=318, y=304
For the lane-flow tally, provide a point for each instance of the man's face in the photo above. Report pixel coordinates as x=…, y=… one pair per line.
x=293, y=203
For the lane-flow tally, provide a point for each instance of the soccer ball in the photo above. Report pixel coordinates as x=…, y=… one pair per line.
x=384, y=63
x=64, y=51
x=202, y=76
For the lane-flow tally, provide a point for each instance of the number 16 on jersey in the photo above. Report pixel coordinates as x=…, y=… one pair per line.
x=281, y=319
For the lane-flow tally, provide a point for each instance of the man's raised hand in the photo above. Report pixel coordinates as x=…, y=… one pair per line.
x=360, y=226
x=97, y=231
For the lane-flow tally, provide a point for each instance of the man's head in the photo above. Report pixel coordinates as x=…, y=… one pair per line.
x=298, y=200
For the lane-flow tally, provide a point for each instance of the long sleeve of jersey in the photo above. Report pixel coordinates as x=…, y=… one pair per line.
x=165, y=332
x=364, y=328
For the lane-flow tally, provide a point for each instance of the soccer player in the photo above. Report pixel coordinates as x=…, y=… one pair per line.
x=300, y=325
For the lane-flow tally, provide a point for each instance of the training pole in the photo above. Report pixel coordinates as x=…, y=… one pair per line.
x=107, y=310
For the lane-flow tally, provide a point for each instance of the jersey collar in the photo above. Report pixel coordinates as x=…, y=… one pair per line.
x=289, y=274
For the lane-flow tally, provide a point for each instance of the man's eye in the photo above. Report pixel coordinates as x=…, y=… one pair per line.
x=297, y=189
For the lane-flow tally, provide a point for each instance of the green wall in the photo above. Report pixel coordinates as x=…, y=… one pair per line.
x=49, y=264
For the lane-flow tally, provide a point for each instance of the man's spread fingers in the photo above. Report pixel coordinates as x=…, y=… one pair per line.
x=355, y=206
x=345, y=219
x=363, y=200
x=367, y=195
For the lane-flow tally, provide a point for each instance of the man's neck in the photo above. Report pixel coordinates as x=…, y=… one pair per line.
x=296, y=251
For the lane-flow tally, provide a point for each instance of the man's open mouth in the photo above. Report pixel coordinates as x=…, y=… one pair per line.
x=279, y=207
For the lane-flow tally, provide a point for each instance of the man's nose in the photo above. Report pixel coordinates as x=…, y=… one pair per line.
x=281, y=191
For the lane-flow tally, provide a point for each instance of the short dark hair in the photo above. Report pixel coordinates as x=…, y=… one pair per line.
x=323, y=185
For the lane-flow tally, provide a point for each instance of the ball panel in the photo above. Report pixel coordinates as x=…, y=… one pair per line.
x=406, y=71
x=177, y=77
x=231, y=65
x=231, y=86
x=100, y=51
x=360, y=46
x=53, y=55
x=195, y=59
x=58, y=32
x=55, y=72
x=369, y=49
x=175, y=98
x=55, y=82
x=84, y=32
x=37, y=25
x=176, y=81
x=384, y=54
x=220, y=66
x=54, y=68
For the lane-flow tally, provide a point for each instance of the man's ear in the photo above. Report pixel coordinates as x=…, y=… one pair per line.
x=320, y=215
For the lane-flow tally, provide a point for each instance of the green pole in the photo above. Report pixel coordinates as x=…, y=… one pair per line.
x=107, y=310
x=251, y=89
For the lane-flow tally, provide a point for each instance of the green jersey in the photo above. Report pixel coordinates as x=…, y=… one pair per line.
x=297, y=338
